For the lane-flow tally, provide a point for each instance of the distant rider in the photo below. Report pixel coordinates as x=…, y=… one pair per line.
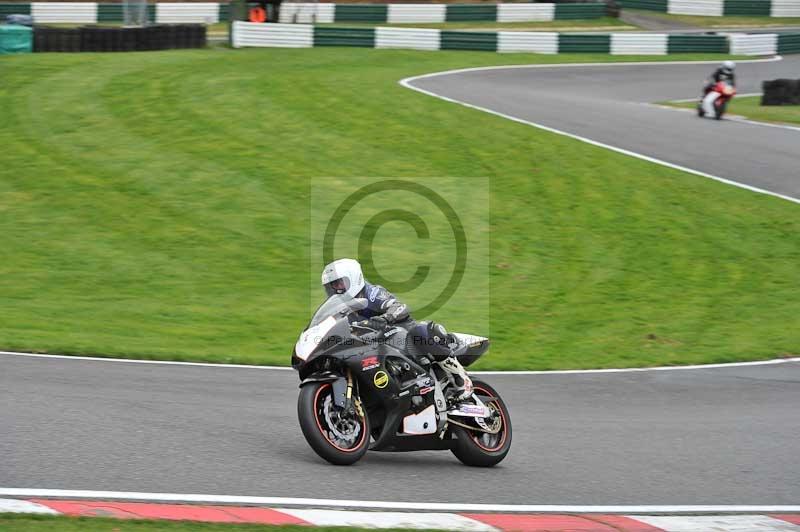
x=344, y=276
x=725, y=73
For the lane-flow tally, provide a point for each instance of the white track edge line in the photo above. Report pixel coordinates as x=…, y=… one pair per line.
x=406, y=82
x=729, y=117
x=488, y=372
x=567, y=65
x=432, y=506
x=142, y=361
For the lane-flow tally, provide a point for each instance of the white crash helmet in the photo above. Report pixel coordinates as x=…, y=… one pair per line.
x=729, y=65
x=343, y=276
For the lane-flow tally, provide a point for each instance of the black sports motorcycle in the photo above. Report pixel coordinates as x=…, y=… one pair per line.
x=361, y=389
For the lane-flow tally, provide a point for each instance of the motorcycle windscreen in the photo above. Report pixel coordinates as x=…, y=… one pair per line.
x=337, y=304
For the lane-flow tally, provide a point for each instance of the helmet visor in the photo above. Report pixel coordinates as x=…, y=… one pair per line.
x=337, y=286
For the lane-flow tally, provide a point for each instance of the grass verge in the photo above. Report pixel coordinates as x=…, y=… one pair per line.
x=156, y=205
x=37, y=523
x=750, y=107
x=728, y=21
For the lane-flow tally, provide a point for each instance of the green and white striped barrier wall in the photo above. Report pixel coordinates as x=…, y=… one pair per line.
x=247, y=34
x=310, y=12
x=92, y=13
x=719, y=8
x=212, y=12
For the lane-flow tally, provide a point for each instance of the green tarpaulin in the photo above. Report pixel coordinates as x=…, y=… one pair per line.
x=15, y=39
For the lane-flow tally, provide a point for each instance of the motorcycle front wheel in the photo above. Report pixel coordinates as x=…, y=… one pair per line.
x=338, y=436
x=479, y=448
x=720, y=110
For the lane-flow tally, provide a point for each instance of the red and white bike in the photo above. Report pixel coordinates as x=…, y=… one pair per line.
x=715, y=100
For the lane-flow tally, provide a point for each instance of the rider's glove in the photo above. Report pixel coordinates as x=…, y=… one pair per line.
x=378, y=322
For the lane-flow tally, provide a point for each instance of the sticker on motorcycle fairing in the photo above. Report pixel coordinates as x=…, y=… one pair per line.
x=474, y=410
x=424, y=382
x=423, y=391
x=369, y=363
x=381, y=379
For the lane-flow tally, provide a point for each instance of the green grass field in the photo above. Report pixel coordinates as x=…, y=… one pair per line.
x=750, y=107
x=156, y=205
x=28, y=523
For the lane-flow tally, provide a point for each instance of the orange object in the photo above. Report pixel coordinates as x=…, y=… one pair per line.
x=257, y=14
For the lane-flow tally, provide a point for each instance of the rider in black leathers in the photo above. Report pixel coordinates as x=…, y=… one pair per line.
x=344, y=276
x=726, y=73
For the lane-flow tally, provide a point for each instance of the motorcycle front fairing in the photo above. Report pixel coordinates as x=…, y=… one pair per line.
x=329, y=328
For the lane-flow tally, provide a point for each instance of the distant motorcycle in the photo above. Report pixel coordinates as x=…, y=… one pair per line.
x=360, y=384
x=715, y=100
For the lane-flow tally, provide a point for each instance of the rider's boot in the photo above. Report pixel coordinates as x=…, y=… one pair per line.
x=463, y=383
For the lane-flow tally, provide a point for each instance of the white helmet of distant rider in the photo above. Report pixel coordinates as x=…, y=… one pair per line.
x=343, y=276
x=729, y=65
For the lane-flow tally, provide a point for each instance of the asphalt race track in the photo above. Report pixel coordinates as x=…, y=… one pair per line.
x=608, y=104
x=709, y=436
x=694, y=436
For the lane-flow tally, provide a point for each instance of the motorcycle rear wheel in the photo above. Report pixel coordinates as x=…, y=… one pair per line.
x=323, y=425
x=476, y=448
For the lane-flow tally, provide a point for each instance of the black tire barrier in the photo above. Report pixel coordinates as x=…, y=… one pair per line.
x=781, y=92
x=115, y=39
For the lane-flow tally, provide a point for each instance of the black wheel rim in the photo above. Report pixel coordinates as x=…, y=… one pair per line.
x=345, y=431
x=486, y=441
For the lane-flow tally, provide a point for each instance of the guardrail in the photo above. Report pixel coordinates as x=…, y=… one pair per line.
x=307, y=35
x=309, y=12
x=718, y=8
x=92, y=13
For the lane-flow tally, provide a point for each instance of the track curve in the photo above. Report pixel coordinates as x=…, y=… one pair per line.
x=608, y=103
x=700, y=436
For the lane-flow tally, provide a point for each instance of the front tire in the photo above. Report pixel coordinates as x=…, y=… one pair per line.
x=475, y=448
x=339, y=437
x=720, y=110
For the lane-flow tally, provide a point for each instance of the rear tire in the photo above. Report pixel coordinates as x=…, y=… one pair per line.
x=314, y=411
x=471, y=448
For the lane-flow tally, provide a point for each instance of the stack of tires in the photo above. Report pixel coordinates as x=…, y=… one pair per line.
x=781, y=92
x=115, y=39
